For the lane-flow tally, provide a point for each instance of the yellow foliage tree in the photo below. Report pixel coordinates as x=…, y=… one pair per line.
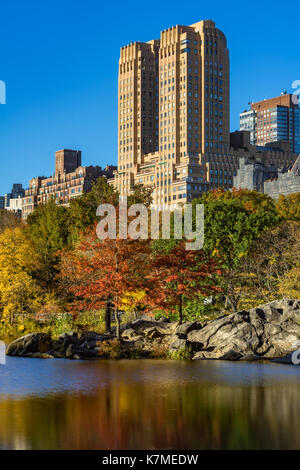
x=272, y=270
x=132, y=301
x=289, y=206
x=20, y=292
x=289, y=285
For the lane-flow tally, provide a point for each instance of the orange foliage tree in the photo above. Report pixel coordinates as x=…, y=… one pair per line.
x=179, y=274
x=100, y=273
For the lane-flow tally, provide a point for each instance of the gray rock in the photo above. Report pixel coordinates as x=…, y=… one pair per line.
x=154, y=332
x=142, y=325
x=129, y=333
x=177, y=343
x=249, y=357
x=266, y=332
x=288, y=359
x=58, y=355
x=68, y=333
x=32, y=343
x=185, y=328
x=91, y=336
x=64, y=340
x=75, y=351
x=284, y=360
x=42, y=356
x=231, y=355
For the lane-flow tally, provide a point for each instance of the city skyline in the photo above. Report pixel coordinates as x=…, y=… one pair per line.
x=77, y=107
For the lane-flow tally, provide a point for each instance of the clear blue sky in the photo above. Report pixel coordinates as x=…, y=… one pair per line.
x=59, y=60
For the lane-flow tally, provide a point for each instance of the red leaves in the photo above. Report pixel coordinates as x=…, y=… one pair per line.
x=102, y=270
x=180, y=273
x=106, y=269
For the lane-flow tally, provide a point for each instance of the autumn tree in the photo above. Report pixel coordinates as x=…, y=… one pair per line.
x=20, y=291
x=179, y=274
x=234, y=220
x=272, y=268
x=8, y=219
x=134, y=301
x=82, y=209
x=140, y=195
x=288, y=207
x=99, y=272
x=48, y=229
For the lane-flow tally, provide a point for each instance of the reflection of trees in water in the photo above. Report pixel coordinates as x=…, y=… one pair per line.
x=154, y=416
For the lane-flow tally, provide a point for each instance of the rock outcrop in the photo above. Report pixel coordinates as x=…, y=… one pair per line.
x=30, y=344
x=270, y=331
x=267, y=332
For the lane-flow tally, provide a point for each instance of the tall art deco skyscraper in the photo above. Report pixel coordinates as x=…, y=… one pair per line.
x=173, y=100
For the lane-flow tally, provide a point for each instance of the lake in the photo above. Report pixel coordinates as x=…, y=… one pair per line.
x=148, y=404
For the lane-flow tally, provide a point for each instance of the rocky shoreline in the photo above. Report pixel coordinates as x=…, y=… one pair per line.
x=268, y=332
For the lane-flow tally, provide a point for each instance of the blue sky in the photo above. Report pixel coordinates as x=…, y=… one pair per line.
x=59, y=61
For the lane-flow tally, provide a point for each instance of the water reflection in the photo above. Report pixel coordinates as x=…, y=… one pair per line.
x=148, y=404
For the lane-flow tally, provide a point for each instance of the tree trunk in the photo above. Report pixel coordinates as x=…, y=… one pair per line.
x=108, y=317
x=117, y=318
x=180, y=310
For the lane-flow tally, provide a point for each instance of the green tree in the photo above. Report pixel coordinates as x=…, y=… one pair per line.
x=82, y=209
x=48, y=229
x=140, y=195
x=233, y=221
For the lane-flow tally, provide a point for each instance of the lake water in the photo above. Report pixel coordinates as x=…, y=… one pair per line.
x=143, y=404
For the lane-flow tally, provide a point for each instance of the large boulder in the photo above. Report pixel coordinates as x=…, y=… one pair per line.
x=266, y=332
x=147, y=332
x=32, y=343
x=185, y=328
x=75, y=351
x=176, y=343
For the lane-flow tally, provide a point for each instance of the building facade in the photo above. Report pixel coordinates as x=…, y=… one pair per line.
x=273, y=120
x=265, y=177
x=13, y=201
x=173, y=109
x=248, y=122
x=70, y=180
x=173, y=117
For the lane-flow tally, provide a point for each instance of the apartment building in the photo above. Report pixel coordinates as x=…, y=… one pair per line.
x=173, y=108
x=273, y=120
x=13, y=201
x=69, y=180
x=173, y=117
x=17, y=192
x=248, y=122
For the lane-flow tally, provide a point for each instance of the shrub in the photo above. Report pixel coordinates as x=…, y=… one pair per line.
x=183, y=354
x=159, y=351
x=110, y=349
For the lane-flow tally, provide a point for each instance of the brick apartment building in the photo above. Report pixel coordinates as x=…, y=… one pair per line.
x=70, y=179
x=173, y=116
x=273, y=120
